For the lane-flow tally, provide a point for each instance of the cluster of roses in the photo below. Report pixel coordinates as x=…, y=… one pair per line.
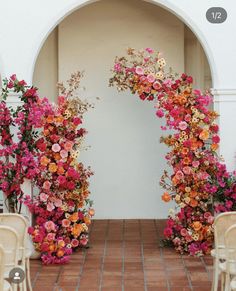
x=62, y=208
x=198, y=176
x=18, y=134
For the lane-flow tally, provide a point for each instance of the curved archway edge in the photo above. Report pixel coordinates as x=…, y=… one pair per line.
x=165, y=4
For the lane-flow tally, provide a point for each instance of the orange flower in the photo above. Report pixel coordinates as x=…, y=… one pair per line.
x=50, y=119
x=166, y=197
x=44, y=161
x=91, y=212
x=52, y=247
x=57, y=156
x=52, y=167
x=214, y=146
x=197, y=225
x=59, y=119
x=193, y=194
x=46, y=132
x=193, y=203
x=76, y=230
x=60, y=170
x=74, y=217
x=185, y=151
x=204, y=135
x=186, y=161
x=87, y=220
x=60, y=253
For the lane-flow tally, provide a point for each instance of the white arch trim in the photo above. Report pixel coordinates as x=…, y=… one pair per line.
x=166, y=4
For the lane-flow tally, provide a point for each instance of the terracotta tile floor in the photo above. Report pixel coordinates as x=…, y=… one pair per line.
x=125, y=255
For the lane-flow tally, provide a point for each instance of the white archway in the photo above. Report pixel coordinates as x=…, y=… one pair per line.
x=166, y=4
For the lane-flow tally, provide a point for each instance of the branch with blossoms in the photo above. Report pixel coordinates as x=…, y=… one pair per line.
x=198, y=178
x=19, y=158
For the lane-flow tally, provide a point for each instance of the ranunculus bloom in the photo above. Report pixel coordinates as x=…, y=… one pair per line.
x=139, y=70
x=160, y=113
x=195, y=164
x=166, y=197
x=43, y=197
x=77, y=121
x=179, y=175
x=187, y=170
x=64, y=154
x=151, y=78
x=61, y=179
x=58, y=203
x=168, y=232
x=183, y=125
x=56, y=147
x=68, y=145
x=47, y=185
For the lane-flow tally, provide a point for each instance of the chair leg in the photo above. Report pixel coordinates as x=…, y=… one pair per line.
x=227, y=282
x=28, y=274
x=214, y=286
x=222, y=279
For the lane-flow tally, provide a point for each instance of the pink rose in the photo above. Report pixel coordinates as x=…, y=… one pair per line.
x=195, y=164
x=74, y=243
x=64, y=154
x=150, y=78
x=149, y=50
x=159, y=113
x=156, y=85
x=50, y=236
x=43, y=197
x=50, y=226
x=56, y=147
x=183, y=125
x=66, y=223
x=46, y=185
x=183, y=232
x=117, y=67
x=50, y=206
x=77, y=121
x=187, y=117
x=58, y=203
x=61, y=179
x=139, y=71
x=168, y=232
x=187, y=170
x=179, y=175
x=216, y=139
x=61, y=100
x=68, y=145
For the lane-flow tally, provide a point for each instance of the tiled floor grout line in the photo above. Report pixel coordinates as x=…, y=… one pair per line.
x=142, y=255
x=36, y=276
x=104, y=255
x=123, y=257
x=83, y=262
x=208, y=273
x=162, y=258
x=187, y=273
x=58, y=276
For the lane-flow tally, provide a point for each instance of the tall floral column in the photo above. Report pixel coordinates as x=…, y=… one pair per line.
x=225, y=105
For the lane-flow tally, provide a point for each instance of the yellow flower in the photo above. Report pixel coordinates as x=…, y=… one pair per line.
x=52, y=167
x=204, y=135
x=44, y=161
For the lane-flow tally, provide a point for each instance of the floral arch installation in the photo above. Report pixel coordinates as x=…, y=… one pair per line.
x=199, y=184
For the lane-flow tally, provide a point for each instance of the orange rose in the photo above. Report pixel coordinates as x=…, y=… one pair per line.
x=57, y=156
x=214, y=146
x=76, y=230
x=52, y=167
x=193, y=203
x=60, y=170
x=186, y=161
x=50, y=119
x=193, y=194
x=166, y=197
x=87, y=220
x=204, y=135
x=60, y=253
x=46, y=132
x=91, y=212
x=52, y=248
x=59, y=119
x=197, y=225
x=74, y=217
x=44, y=161
x=185, y=151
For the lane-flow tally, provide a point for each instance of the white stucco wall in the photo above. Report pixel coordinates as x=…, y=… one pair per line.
x=25, y=24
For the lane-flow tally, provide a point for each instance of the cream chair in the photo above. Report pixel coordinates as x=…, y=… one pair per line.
x=9, y=241
x=20, y=224
x=4, y=284
x=229, y=266
x=222, y=222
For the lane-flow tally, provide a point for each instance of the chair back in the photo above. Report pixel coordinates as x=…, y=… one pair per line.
x=20, y=225
x=230, y=247
x=222, y=222
x=9, y=241
x=2, y=267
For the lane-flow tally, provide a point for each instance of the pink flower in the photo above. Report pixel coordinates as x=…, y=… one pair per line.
x=216, y=139
x=149, y=50
x=74, y=243
x=168, y=232
x=68, y=145
x=187, y=117
x=159, y=113
x=66, y=223
x=70, y=185
x=50, y=236
x=183, y=232
x=139, y=71
x=61, y=100
x=179, y=175
x=58, y=203
x=64, y=154
x=50, y=206
x=77, y=121
x=56, y=147
x=195, y=164
x=43, y=197
x=117, y=67
x=46, y=185
x=13, y=77
x=156, y=85
x=183, y=125
x=150, y=78
x=50, y=226
x=61, y=179
x=187, y=170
